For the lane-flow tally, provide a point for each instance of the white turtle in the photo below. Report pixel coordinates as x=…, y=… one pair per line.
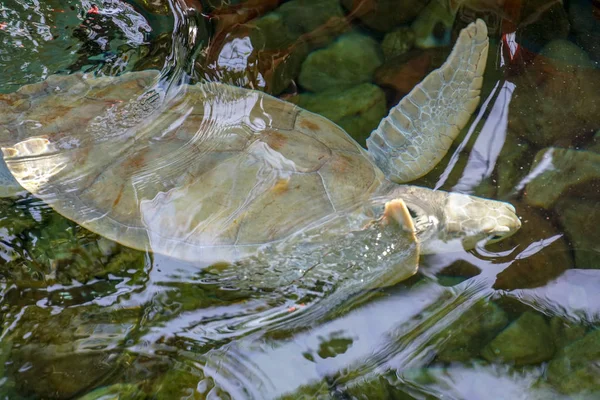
x=218, y=174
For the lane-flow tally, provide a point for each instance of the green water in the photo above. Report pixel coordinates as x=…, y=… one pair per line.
x=85, y=318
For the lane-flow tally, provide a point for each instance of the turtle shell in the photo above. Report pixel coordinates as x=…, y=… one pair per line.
x=207, y=174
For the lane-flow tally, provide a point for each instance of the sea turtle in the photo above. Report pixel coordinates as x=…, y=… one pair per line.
x=259, y=189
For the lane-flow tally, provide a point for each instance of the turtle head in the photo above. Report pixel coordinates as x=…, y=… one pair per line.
x=473, y=219
x=444, y=221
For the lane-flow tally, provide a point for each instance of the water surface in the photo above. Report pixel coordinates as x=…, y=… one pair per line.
x=83, y=317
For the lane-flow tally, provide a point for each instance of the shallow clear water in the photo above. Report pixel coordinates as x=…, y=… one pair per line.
x=84, y=317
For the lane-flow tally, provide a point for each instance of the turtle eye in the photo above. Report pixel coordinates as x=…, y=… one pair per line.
x=413, y=214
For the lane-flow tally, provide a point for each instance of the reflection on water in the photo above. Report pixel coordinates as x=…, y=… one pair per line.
x=85, y=317
x=42, y=38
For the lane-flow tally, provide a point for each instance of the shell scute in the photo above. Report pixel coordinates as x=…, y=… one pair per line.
x=326, y=132
x=349, y=178
x=305, y=153
x=282, y=209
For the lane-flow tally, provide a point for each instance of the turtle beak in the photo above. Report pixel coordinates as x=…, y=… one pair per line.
x=507, y=223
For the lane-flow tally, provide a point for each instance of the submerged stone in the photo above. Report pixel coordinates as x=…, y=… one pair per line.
x=532, y=269
x=554, y=102
x=115, y=392
x=400, y=74
x=585, y=26
x=397, y=42
x=581, y=221
x=358, y=110
x=541, y=22
x=305, y=16
x=564, y=53
x=511, y=164
x=433, y=25
x=58, y=355
x=472, y=331
x=183, y=380
x=266, y=52
x=565, y=332
x=575, y=368
x=556, y=172
x=528, y=340
x=384, y=15
x=347, y=62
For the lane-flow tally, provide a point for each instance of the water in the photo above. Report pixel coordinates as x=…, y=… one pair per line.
x=84, y=317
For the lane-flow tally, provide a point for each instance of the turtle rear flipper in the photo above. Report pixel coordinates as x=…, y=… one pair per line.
x=418, y=132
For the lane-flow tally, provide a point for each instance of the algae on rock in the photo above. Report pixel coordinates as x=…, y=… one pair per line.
x=556, y=172
x=472, y=331
x=397, y=42
x=384, y=15
x=528, y=340
x=580, y=219
x=555, y=103
x=347, y=62
x=575, y=369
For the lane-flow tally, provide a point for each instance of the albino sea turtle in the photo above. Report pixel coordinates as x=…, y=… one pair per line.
x=259, y=189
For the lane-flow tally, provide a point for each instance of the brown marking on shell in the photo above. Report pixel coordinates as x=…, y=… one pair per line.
x=274, y=139
x=118, y=199
x=135, y=162
x=309, y=125
x=282, y=185
x=326, y=132
x=341, y=164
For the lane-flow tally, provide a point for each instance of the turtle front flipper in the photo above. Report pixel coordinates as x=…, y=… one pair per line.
x=418, y=132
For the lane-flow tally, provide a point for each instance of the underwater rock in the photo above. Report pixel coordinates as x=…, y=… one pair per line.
x=305, y=16
x=554, y=103
x=475, y=381
x=541, y=21
x=352, y=385
x=347, y=62
x=115, y=392
x=511, y=164
x=358, y=110
x=557, y=172
x=156, y=7
x=378, y=388
x=575, y=367
x=472, y=331
x=185, y=381
x=565, y=332
x=266, y=53
x=402, y=73
x=585, y=26
x=433, y=25
x=594, y=145
x=384, y=15
x=528, y=340
x=63, y=36
x=581, y=221
x=564, y=53
x=538, y=252
x=57, y=355
x=397, y=42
